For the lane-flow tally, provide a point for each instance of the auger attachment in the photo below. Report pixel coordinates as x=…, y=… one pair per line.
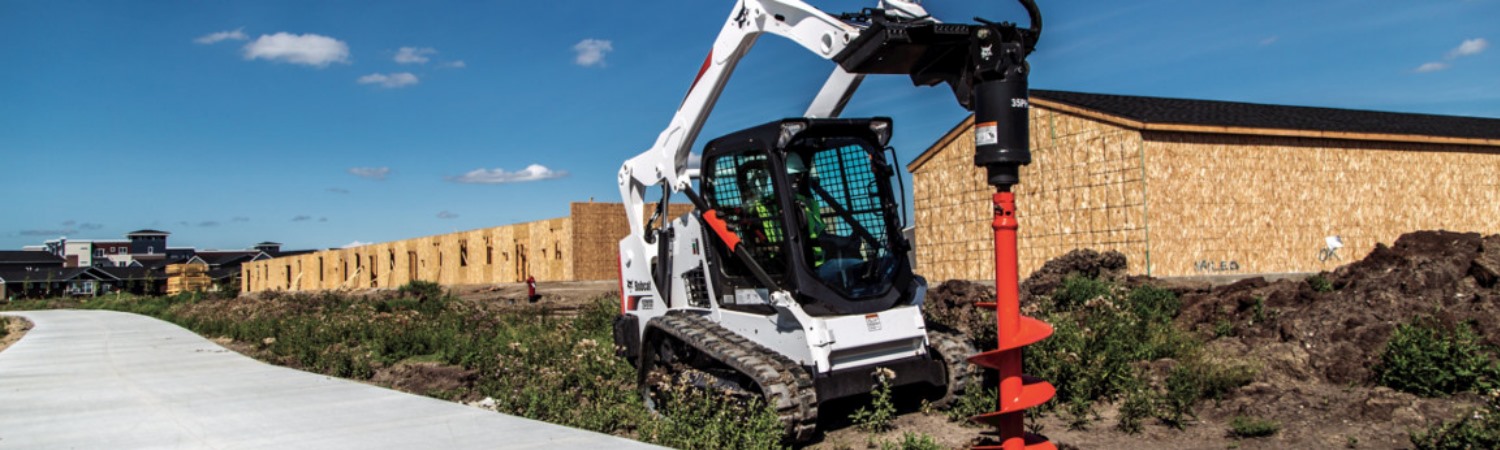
x=1002, y=144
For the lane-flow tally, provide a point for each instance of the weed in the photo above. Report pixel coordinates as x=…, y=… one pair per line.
x=1097, y=341
x=1424, y=358
x=1320, y=283
x=1193, y=380
x=912, y=441
x=696, y=418
x=1223, y=328
x=1351, y=442
x=881, y=411
x=974, y=402
x=1259, y=310
x=1076, y=291
x=1251, y=427
x=1477, y=429
x=4, y=326
x=1139, y=404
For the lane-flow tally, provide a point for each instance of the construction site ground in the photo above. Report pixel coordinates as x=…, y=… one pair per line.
x=1312, y=349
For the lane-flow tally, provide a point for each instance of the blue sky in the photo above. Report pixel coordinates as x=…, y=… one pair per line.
x=318, y=124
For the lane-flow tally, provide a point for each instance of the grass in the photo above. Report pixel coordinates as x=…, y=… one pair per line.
x=1251, y=427
x=534, y=365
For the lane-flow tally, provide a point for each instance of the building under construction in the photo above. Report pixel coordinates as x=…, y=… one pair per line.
x=1194, y=187
x=578, y=247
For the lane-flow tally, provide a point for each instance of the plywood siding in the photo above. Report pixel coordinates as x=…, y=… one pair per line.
x=1223, y=204
x=1083, y=189
x=579, y=247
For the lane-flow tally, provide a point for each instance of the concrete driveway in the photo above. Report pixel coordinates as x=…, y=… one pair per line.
x=100, y=379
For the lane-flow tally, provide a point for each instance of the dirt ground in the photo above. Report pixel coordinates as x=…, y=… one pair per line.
x=16, y=328
x=1313, y=349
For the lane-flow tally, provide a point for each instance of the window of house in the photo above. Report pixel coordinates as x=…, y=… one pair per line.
x=463, y=253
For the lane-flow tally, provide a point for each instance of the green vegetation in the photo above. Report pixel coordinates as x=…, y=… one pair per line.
x=1102, y=334
x=877, y=416
x=1320, y=283
x=4, y=326
x=1250, y=427
x=1425, y=358
x=533, y=364
x=1474, y=430
x=912, y=441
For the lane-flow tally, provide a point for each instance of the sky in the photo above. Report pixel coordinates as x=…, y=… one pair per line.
x=330, y=123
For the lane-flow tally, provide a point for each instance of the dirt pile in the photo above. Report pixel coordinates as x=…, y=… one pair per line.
x=1343, y=320
x=1313, y=341
x=950, y=305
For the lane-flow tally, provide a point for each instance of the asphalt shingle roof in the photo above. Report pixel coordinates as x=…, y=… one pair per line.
x=1159, y=110
x=28, y=256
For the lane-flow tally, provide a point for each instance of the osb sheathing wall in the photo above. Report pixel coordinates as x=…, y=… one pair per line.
x=1082, y=190
x=582, y=246
x=1210, y=204
x=1265, y=204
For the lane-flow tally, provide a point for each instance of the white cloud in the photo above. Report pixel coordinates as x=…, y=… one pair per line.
x=355, y=244
x=534, y=172
x=413, y=55
x=394, y=80
x=447, y=215
x=453, y=64
x=236, y=35
x=1431, y=67
x=1269, y=40
x=302, y=218
x=373, y=173
x=1469, y=47
x=591, y=52
x=306, y=49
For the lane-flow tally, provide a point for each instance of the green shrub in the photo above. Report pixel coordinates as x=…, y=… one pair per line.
x=1425, y=358
x=422, y=290
x=1098, y=340
x=1320, y=283
x=4, y=326
x=1250, y=427
x=1076, y=291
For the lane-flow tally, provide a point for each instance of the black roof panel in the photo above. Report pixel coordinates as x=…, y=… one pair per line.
x=1160, y=110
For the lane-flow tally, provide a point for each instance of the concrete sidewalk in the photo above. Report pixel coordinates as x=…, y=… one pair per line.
x=100, y=379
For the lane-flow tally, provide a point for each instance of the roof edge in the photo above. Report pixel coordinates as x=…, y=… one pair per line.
x=963, y=125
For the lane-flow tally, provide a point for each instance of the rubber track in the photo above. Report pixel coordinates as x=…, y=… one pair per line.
x=784, y=384
x=955, y=353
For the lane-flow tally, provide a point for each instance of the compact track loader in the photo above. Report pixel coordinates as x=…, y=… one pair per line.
x=790, y=280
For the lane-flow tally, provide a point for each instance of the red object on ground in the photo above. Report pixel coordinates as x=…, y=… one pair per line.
x=530, y=287
x=1017, y=392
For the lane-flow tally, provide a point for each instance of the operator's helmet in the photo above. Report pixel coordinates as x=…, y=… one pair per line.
x=758, y=181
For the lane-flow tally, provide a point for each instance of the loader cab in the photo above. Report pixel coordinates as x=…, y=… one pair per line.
x=812, y=201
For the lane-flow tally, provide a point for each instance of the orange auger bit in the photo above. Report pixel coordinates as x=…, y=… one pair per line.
x=1017, y=392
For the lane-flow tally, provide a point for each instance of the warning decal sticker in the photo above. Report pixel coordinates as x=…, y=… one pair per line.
x=986, y=133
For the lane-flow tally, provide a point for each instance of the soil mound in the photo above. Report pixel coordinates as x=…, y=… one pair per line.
x=1107, y=266
x=1344, y=325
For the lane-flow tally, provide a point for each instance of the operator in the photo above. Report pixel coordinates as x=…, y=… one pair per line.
x=830, y=269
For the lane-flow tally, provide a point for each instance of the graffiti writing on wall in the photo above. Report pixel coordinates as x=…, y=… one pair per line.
x=1216, y=266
